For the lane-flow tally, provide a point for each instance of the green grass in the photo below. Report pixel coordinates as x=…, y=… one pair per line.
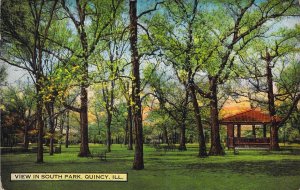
x=172, y=170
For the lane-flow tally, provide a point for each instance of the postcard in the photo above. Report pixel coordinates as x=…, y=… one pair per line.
x=139, y=94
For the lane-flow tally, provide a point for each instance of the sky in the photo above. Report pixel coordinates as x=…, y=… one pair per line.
x=15, y=74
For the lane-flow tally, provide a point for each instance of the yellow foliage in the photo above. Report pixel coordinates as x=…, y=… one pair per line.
x=92, y=118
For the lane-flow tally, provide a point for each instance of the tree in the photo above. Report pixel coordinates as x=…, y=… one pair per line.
x=264, y=80
x=125, y=88
x=25, y=32
x=52, y=94
x=172, y=100
x=287, y=84
x=138, y=163
x=174, y=34
x=108, y=70
x=102, y=14
x=19, y=106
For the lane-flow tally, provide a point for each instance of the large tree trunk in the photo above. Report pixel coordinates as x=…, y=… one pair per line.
x=25, y=139
x=138, y=163
x=216, y=148
x=274, y=144
x=84, y=146
x=201, y=138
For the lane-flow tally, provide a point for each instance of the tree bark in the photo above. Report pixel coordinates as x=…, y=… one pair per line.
x=130, y=123
x=274, y=144
x=67, y=129
x=201, y=137
x=50, y=110
x=138, y=163
x=166, y=139
x=84, y=146
x=37, y=57
x=182, y=139
x=182, y=142
x=125, y=142
x=110, y=107
x=216, y=148
x=108, y=132
x=25, y=139
x=51, y=145
x=40, y=125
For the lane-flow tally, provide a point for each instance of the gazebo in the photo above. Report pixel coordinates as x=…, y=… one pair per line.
x=252, y=118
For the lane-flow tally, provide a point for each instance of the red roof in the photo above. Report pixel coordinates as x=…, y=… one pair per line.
x=250, y=116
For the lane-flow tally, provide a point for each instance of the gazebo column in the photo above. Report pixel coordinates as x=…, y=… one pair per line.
x=239, y=130
x=230, y=135
x=264, y=131
x=253, y=131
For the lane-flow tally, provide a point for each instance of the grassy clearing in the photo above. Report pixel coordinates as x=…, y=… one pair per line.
x=171, y=170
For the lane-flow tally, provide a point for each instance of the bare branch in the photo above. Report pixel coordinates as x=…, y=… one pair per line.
x=150, y=10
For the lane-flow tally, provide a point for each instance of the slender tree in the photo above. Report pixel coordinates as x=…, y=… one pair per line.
x=179, y=50
x=103, y=15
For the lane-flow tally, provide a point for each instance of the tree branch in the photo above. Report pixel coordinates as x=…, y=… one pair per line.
x=290, y=111
x=150, y=10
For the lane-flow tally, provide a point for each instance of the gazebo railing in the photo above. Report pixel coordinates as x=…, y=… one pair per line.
x=249, y=141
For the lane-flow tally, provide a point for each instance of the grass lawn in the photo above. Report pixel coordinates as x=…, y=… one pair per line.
x=171, y=170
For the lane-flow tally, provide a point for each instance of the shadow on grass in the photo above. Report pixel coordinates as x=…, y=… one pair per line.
x=272, y=168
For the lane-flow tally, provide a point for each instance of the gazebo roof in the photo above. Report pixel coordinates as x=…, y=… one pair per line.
x=251, y=116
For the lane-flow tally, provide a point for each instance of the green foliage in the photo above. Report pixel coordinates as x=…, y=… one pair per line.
x=17, y=111
x=19, y=98
x=290, y=133
x=289, y=79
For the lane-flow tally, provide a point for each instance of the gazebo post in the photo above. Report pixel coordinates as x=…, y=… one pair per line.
x=230, y=136
x=253, y=131
x=239, y=130
x=265, y=130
